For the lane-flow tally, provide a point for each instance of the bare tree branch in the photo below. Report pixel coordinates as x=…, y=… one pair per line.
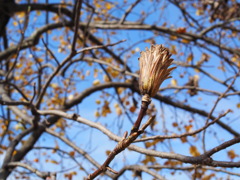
x=43, y=175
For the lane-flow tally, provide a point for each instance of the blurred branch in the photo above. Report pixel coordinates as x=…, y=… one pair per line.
x=57, y=149
x=33, y=39
x=164, y=99
x=121, y=21
x=186, y=15
x=95, y=40
x=14, y=103
x=87, y=92
x=215, y=105
x=72, y=145
x=202, y=159
x=219, y=25
x=136, y=26
x=59, y=8
x=180, y=105
x=76, y=17
x=12, y=147
x=100, y=46
x=18, y=112
x=211, y=76
x=161, y=167
x=139, y=168
x=124, y=71
x=64, y=62
x=40, y=174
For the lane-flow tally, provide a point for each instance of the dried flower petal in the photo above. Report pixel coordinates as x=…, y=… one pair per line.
x=154, y=69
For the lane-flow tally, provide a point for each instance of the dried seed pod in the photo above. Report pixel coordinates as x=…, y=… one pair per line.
x=154, y=69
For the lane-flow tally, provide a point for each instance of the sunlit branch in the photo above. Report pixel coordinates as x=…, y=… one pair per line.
x=190, y=87
x=185, y=168
x=201, y=159
x=184, y=134
x=139, y=168
x=87, y=92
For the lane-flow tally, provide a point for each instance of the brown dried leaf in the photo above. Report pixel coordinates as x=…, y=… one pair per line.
x=190, y=57
x=231, y=154
x=194, y=151
x=71, y=153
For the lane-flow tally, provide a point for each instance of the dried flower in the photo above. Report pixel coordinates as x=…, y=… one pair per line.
x=154, y=69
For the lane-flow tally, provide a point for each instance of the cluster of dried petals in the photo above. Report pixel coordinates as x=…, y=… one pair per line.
x=154, y=69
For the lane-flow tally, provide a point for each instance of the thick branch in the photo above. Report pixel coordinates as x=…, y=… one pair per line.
x=202, y=159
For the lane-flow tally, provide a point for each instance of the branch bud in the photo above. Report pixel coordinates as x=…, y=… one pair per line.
x=154, y=69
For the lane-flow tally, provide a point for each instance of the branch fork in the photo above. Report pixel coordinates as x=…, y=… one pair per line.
x=121, y=146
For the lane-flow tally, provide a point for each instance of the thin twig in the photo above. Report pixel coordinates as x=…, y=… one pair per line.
x=100, y=46
x=215, y=105
x=184, y=134
x=128, y=11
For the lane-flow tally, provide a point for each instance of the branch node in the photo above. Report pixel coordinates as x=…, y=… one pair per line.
x=207, y=160
x=112, y=170
x=125, y=135
x=75, y=116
